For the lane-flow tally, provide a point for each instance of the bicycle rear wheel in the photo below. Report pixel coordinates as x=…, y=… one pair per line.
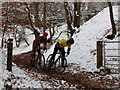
x=40, y=64
x=59, y=65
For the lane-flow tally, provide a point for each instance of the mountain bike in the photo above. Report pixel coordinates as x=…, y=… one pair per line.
x=39, y=59
x=57, y=64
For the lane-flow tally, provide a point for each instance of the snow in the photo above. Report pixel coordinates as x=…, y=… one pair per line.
x=1, y=74
x=85, y=42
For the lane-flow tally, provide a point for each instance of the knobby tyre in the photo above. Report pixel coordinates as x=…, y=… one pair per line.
x=58, y=64
x=48, y=60
x=40, y=61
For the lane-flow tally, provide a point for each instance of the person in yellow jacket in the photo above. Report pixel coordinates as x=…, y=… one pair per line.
x=60, y=46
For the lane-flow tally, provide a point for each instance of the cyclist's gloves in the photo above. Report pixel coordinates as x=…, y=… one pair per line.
x=68, y=51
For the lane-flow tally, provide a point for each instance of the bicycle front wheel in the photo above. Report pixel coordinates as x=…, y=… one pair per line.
x=40, y=61
x=48, y=60
x=60, y=64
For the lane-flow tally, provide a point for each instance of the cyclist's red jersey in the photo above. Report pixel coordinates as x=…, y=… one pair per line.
x=42, y=40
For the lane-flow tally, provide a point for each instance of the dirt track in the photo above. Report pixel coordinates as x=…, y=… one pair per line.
x=80, y=80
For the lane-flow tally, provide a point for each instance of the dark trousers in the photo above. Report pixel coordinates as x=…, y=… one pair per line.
x=62, y=51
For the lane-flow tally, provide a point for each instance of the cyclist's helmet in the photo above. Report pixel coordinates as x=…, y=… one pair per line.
x=45, y=34
x=71, y=41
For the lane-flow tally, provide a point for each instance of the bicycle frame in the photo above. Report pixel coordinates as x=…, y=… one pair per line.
x=39, y=58
x=60, y=55
x=57, y=63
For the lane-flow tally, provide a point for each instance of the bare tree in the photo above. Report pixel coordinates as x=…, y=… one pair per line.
x=68, y=18
x=29, y=16
x=44, y=16
x=112, y=22
x=38, y=22
x=77, y=6
x=73, y=20
x=13, y=15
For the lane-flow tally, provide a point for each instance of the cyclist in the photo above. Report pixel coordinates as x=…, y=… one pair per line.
x=60, y=46
x=39, y=40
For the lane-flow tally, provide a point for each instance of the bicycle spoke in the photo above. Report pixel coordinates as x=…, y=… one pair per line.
x=59, y=65
x=41, y=61
x=48, y=61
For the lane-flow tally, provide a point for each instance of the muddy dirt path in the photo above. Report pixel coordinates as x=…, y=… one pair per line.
x=79, y=80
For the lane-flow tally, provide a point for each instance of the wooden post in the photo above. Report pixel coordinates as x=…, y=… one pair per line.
x=99, y=54
x=9, y=54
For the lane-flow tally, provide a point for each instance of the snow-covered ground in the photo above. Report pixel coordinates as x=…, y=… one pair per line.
x=86, y=39
x=85, y=42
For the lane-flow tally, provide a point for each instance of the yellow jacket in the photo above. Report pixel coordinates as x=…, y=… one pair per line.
x=63, y=43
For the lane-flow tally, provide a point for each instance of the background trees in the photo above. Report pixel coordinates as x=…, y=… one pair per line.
x=47, y=15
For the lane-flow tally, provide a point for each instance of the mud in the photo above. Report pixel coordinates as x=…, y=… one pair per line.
x=79, y=80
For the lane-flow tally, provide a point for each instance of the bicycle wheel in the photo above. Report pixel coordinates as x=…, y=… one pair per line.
x=48, y=60
x=40, y=64
x=59, y=65
x=32, y=63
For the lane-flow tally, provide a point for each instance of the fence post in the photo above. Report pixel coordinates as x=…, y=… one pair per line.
x=9, y=54
x=99, y=54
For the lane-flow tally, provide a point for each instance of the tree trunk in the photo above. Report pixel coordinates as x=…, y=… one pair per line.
x=77, y=14
x=112, y=36
x=112, y=19
x=31, y=23
x=68, y=18
x=36, y=13
x=44, y=17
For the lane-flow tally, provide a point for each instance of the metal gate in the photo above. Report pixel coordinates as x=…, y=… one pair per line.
x=111, y=56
